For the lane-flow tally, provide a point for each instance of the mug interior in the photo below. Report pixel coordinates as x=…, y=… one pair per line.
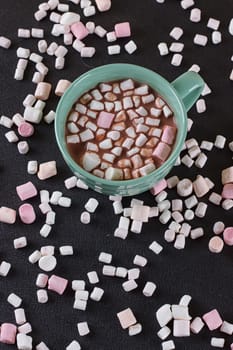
x=113, y=72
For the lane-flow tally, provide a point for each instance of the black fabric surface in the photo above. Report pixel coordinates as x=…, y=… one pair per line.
x=205, y=276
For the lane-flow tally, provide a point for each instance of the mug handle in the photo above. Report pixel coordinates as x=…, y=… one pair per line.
x=189, y=87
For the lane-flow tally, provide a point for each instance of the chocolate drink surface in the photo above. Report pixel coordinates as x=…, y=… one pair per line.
x=120, y=130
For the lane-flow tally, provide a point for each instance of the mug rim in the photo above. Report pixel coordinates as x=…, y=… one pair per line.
x=71, y=91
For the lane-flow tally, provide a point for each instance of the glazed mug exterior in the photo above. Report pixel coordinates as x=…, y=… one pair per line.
x=180, y=95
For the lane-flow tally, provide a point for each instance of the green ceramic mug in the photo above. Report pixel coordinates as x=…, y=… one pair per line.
x=180, y=95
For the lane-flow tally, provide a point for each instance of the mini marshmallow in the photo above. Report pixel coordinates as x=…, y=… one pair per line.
x=8, y=333
x=41, y=280
x=97, y=294
x=57, y=284
x=14, y=300
x=103, y=5
x=201, y=105
x=149, y=289
x=93, y=277
x=181, y=328
x=7, y=215
x=201, y=209
x=227, y=328
x=200, y=40
x=83, y=328
x=47, y=263
x=212, y=320
x=126, y=318
x=100, y=31
x=47, y=170
x=184, y=187
x=195, y=15
x=185, y=4
x=163, y=49
x=164, y=315
x=42, y=296
x=5, y=42
x=216, y=37
x=66, y=250
x=74, y=345
x=114, y=49
x=196, y=325
x=220, y=141
x=156, y=247
x=168, y=345
x=24, y=342
x=42, y=346
x=109, y=270
x=11, y=137
x=213, y=23
x=196, y=233
x=176, y=33
x=217, y=342
x=105, y=258
x=20, y=317
x=27, y=213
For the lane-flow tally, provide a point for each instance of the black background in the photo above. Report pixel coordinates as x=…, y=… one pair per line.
x=207, y=277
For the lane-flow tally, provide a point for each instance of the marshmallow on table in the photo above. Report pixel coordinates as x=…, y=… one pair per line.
x=27, y=190
x=196, y=325
x=164, y=315
x=181, y=328
x=8, y=333
x=25, y=129
x=27, y=213
x=105, y=120
x=57, y=284
x=5, y=42
x=43, y=91
x=14, y=300
x=7, y=215
x=195, y=15
x=122, y=30
x=97, y=294
x=162, y=151
x=83, y=328
x=47, y=170
x=74, y=345
x=103, y=5
x=24, y=342
x=212, y=320
x=228, y=236
x=79, y=30
x=200, y=40
x=126, y=318
x=176, y=33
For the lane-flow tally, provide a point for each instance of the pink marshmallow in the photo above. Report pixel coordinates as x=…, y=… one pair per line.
x=169, y=134
x=158, y=187
x=79, y=30
x=27, y=190
x=228, y=235
x=26, y=129
x=122, y=30
x=7, y=215
x=27, y=213
x=162, y=151
x=231, y=346
x=57, y=284
x=8, y=333
x=227, y=191
x=212, y=319
x=47, y=170
x=103, y=5
x=105, y=120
